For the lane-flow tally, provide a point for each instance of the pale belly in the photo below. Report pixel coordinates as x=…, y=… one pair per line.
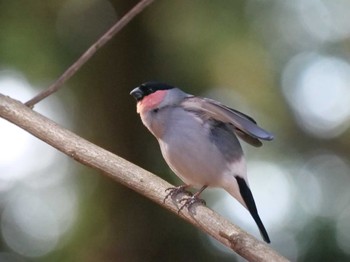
x=195, y=160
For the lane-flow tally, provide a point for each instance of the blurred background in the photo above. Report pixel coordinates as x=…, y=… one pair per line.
x=285, y=63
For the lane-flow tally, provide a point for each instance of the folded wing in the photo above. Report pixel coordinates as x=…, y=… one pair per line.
x=245, y=127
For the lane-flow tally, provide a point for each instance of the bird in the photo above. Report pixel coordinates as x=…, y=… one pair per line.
x=198, y=140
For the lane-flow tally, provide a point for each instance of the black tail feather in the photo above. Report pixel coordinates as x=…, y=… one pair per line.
x=249, y=201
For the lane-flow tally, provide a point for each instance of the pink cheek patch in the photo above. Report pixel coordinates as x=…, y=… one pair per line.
x=151, y=101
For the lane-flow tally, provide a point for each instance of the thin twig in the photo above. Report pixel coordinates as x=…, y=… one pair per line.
x=135, y=178
x=89, y=53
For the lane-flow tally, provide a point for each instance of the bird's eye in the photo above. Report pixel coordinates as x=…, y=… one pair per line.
x=155, y=110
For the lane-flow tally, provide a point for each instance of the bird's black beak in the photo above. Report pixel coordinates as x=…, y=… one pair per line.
x=137, y=93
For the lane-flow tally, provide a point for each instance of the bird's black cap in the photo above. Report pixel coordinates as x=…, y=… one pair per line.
x=148, y=88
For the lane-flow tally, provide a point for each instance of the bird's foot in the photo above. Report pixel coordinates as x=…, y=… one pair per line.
x=173, y=192
x=189, y=202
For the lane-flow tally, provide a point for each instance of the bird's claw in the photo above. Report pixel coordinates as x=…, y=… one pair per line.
x=190, y=202
x=187, y=202
x=173, y=192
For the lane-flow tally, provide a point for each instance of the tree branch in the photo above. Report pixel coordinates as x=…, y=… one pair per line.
x=133, y=177
x=89, y=53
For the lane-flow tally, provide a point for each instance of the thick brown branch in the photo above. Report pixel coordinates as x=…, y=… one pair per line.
x=133, y=177
x=89, y=53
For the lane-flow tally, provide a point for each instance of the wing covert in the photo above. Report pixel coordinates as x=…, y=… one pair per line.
x=220, y=112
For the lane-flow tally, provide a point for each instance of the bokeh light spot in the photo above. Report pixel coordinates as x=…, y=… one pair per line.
x=29, y=227
x=318, y=90
x=39, y=199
